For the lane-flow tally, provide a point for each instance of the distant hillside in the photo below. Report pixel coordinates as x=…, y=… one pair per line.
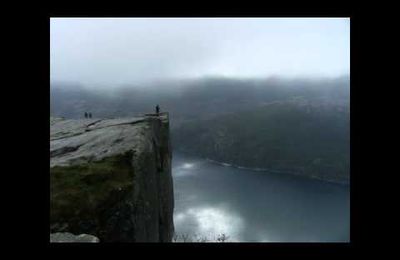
x=307, y=137
x=298, y=125
x=187, y=99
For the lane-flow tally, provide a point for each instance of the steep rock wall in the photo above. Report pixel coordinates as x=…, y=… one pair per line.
x=111, y=178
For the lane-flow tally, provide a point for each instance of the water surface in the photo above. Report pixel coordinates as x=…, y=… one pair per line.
x=250, y=206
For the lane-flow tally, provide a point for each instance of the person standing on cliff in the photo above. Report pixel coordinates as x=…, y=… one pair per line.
x=157, y=109
x=86, y=114
x=90, y=115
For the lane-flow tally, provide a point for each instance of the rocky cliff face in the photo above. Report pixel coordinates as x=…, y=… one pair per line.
x=112, y=178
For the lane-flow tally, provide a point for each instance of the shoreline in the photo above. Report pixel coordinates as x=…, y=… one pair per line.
x=273, y=171
x=276, y=171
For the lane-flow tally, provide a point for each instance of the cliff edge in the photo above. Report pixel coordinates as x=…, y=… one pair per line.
x=111, y=178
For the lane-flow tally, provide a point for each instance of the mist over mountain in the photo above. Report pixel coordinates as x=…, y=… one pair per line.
x=200, y=129
x=287, y=125
x=195, y=99
x=295, y=137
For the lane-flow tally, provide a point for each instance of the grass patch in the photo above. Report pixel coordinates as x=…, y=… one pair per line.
x=82, y=192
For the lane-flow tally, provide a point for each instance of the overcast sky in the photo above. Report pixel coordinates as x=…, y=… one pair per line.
x=113, y=51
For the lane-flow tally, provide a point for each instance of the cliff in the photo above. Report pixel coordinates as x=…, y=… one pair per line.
x=112, y=179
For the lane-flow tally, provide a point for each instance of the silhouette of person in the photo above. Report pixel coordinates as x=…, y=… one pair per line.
x=157, y=109
x=86, y=114
x=90, y=115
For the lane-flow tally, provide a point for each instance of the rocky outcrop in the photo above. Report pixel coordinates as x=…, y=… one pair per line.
x=111, y=178
x=71, y=238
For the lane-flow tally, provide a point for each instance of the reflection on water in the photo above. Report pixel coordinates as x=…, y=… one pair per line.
x=184, y=169
x=187, y=165
x=209, y=222
x=256, y=207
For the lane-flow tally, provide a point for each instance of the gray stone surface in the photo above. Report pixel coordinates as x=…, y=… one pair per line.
x=112, y=178
x=76, y=141
x=71, y=238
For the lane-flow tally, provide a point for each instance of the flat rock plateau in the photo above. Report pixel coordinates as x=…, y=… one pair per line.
x=111, y=178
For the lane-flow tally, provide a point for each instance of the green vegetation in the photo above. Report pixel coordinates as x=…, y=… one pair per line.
x=282, y=136
x=82, y=192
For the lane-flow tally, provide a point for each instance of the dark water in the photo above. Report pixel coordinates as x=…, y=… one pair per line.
x=253, y=206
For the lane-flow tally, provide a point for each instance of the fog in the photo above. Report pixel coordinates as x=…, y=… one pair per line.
x=110, y=52
x=259, y=113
